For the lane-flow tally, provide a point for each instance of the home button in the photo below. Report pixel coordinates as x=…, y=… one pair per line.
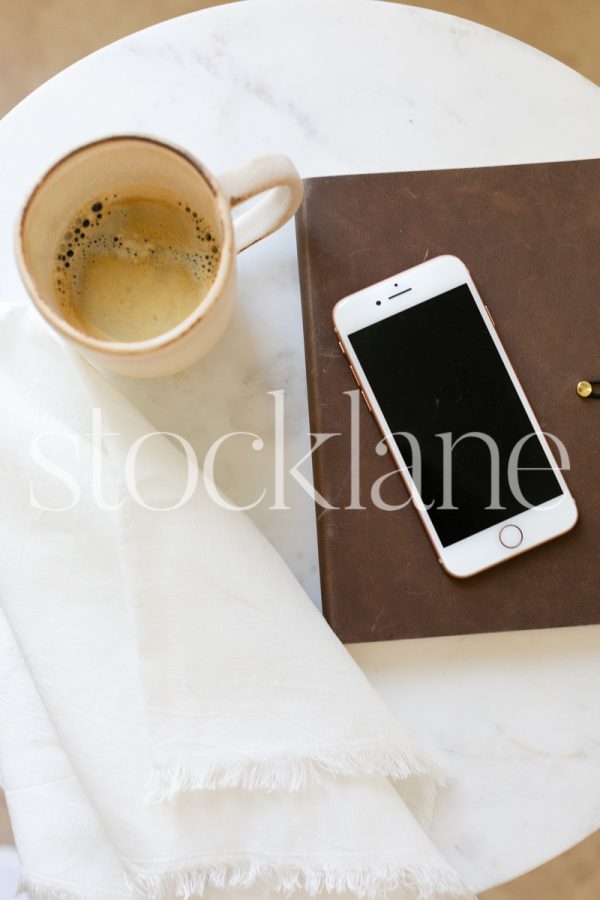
x=511, y=536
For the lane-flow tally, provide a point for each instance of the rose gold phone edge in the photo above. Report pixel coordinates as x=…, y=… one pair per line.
x=366, y=391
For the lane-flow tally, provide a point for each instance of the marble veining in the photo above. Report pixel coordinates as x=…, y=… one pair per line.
x=350, y=86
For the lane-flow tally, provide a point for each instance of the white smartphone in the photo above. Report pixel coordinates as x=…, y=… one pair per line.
x=424, y=351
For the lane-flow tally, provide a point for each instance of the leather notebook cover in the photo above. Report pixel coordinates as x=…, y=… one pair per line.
x=530, y=235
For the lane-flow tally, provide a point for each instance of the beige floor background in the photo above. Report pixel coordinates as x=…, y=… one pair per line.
x=40, y=37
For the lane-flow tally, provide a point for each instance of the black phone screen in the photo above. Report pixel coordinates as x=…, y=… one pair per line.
x=435, y=371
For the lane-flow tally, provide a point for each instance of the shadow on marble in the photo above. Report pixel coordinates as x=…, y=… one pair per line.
x=38, y=39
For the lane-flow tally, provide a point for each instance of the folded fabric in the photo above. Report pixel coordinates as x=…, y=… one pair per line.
x=176, y=718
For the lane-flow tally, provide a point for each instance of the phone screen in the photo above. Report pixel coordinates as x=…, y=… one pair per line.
x=435, y=370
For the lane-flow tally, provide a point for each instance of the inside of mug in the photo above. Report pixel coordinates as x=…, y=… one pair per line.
x=78, y=192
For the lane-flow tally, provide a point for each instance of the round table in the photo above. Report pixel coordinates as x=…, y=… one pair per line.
x=347, y=86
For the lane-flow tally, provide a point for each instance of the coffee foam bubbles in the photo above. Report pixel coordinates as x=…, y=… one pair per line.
x=129, y=238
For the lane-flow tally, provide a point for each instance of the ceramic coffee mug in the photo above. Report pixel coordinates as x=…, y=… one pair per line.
x=140, y=166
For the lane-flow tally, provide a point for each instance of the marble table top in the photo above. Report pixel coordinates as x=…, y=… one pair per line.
x=347, y=86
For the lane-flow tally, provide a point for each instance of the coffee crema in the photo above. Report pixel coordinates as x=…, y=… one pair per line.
x=131, y=267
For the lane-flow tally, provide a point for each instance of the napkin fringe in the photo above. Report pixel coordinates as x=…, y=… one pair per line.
x=424, y=881
x=291, y=773
x=35, y=890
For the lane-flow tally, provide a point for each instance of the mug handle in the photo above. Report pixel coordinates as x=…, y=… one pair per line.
x=275, y=173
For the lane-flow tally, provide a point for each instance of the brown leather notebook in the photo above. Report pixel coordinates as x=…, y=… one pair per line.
x=530, y=234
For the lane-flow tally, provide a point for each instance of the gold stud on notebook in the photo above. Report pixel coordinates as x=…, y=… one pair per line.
x=585, y=389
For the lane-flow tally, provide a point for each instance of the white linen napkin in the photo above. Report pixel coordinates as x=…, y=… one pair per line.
x=197, y=727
